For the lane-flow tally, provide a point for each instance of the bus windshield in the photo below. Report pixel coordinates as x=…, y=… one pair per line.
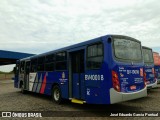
x=147, y=55
x=126, y=49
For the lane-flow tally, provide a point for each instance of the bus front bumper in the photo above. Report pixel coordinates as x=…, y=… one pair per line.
x=116, y=97
x=154, y=85
x=158, y=80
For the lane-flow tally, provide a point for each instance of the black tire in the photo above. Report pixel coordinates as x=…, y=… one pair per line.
x=56, y=95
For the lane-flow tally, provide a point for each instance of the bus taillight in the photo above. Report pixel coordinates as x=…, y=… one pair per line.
x=115, y=80
x=145, y=79
x=154, y=73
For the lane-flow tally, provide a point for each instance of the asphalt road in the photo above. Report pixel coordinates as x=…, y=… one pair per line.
x=11, y=99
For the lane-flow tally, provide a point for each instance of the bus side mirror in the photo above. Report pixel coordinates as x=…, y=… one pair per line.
x=109, y=40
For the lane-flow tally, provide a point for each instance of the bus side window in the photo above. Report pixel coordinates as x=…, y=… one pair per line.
x=22, y=67
x=40, y=66
x=94, y=56
x=16, y=69
x=49, y=62
x=27, y=67
x=33, y=65
x=61, y=61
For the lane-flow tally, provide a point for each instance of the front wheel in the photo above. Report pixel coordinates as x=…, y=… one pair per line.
x=56, y=94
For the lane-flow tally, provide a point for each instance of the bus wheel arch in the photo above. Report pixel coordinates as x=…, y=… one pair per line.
x=56, y=93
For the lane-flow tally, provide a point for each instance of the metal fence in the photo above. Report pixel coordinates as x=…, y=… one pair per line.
x=6, y=76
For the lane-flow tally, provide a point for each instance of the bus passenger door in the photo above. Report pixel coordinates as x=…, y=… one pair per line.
x=77, y=74
x=26, y=75
x=16, y=75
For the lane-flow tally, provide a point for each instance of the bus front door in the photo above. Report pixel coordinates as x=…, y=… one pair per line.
x=26, y=75
x=77, y=74
x=16, y=75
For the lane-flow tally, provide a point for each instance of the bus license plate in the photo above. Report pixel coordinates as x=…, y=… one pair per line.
x=133, y=87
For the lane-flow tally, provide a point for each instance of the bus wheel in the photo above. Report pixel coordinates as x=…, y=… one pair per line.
x=56, y=94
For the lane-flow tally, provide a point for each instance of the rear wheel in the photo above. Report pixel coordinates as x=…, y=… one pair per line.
x=56, y=94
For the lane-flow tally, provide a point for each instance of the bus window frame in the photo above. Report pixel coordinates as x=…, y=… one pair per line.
x=17, y=68
x=49, y=70
x=96, y=43
x=22, y=68
x=39, y=64
x=35, y=65
x=27, y=67
x=49, y=62
x=66, y=60
x=125, y=60
x=148, y=63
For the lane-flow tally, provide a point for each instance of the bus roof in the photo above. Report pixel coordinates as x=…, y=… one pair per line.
x=146, y=47
x=98, y=39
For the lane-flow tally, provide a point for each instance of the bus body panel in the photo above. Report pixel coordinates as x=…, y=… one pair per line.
x=157, y=65
x=157, y=72
x=130, y=77
x=150, y=77
x=78, y=86
x=149, y=67
x=96, y=85
x=83, y=87
x=98, y=82
x=41, y=82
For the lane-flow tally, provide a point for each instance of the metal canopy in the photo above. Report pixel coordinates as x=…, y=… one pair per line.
x=10, y=57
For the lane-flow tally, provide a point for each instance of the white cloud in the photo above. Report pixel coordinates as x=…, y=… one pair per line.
x=7, y=68
x=38, y=26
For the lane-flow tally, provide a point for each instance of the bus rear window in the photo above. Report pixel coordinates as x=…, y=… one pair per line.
x=126, y=49
x=147, y=55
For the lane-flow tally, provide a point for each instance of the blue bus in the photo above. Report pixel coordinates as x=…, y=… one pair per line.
x=157, y=65
x=104, y=70
x=149, y=67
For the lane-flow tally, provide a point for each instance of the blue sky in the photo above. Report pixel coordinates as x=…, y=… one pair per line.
x=156, y=49
x=37, y=26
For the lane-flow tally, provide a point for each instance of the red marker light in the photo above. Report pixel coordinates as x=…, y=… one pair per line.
x=115, y=81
